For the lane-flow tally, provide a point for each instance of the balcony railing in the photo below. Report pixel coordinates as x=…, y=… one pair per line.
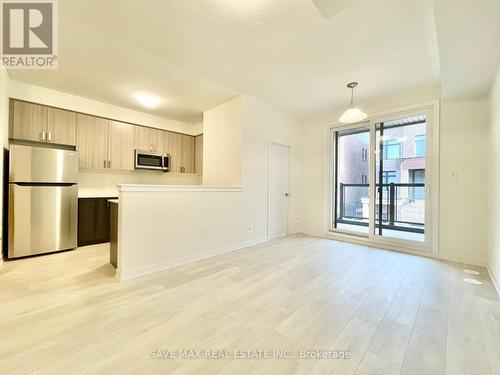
x=402, y=207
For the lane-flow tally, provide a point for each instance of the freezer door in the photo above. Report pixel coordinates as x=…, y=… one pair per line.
x=42, y=165
x=42, y=219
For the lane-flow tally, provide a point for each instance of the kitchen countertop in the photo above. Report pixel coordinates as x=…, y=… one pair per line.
x=97, y=193
x=176, y=188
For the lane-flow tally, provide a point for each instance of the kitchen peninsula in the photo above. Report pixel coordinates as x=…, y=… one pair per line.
x=162, y=226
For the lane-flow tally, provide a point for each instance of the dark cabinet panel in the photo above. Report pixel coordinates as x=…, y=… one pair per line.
x=93, y=220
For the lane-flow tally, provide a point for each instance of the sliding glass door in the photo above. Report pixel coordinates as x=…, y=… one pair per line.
x=400, y=178
x=381, y=178
x=352, y=174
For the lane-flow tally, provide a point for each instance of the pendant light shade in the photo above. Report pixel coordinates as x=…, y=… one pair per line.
x=352, y=114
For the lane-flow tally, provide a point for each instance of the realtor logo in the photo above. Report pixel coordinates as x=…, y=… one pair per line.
x=29, y=34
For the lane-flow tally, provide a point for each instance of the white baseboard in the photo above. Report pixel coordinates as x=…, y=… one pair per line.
x=365, y=242
x=494, y=280
x=464, y=259
x=161, y=266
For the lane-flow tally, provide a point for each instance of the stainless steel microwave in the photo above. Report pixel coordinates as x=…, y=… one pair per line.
x=152, y=160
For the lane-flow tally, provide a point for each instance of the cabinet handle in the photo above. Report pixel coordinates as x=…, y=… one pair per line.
x=104, y=163
x=49, y=137
x=109, y=163
x=42, y=136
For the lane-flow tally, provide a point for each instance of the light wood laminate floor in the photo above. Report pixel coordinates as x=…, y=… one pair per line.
x=395, y=313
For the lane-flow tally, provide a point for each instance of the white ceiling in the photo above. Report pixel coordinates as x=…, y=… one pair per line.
x=469, y=45
x=197, y=54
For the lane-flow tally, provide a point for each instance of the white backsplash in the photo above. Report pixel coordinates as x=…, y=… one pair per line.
x=103, y=182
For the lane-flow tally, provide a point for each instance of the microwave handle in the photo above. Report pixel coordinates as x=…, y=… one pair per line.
x=165, y=162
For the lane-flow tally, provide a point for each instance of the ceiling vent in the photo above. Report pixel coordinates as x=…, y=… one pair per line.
x=329, y=8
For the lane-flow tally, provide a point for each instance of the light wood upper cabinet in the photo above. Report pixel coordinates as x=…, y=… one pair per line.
x=173, y=145
x=61, y=126
x=92, y=141
x=157, y=139
x=142, y=139
x=198, y=154
x=28, y=121
x=102, y=143
x=149, y=139
x=121, y=145
x=35, y=122
x=187, y=164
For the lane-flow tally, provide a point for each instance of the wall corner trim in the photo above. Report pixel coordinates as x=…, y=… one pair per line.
x=494, y=281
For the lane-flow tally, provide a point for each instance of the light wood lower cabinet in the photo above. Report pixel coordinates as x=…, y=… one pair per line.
x=121, y=145
x=92, y=141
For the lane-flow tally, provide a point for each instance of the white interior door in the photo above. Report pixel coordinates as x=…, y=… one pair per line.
x=279, y=189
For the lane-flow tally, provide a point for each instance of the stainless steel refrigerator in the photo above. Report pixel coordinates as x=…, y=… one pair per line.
x=42, y=200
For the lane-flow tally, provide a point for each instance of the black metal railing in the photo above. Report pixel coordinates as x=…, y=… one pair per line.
x=387, y=209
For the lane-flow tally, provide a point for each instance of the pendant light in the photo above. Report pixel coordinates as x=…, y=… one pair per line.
x=352, y=114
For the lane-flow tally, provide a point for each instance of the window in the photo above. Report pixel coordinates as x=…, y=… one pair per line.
x=364, y=154
x=364, y=179
x=392, y=149
x=420, y=141
x=417, y=176
x=389, y=176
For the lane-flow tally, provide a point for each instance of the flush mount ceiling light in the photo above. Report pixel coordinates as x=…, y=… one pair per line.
x=352, y=114
x=148, y=100
x=473, y=281
x=471, y=272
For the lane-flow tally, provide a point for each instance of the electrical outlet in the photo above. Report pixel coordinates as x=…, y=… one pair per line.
x=204, y=231
x=250, y=229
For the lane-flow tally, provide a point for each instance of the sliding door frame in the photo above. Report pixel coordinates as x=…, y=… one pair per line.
x=430, y=245
x=334, y=176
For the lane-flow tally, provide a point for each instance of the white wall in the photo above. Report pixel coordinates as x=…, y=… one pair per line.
x=494, y=169
x=4, y=126
x=222, y=137
x=462, y=204
x=164, y=228
x=42, y=95
x=263, y=123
